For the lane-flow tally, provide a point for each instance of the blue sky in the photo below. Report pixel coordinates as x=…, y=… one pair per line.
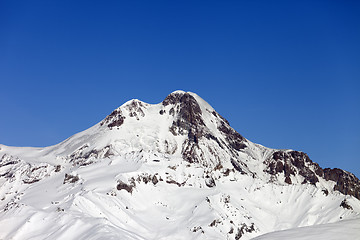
x=286, y=74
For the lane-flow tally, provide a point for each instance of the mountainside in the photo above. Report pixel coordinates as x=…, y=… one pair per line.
x=173, y=170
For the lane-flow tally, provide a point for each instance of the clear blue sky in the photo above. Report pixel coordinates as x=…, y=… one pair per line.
x=286, y=74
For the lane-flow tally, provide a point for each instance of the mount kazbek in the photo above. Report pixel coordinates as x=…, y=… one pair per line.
x=173, y=170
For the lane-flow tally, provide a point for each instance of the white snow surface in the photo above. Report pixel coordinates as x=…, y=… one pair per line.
x=71, y=190
x=347, y=229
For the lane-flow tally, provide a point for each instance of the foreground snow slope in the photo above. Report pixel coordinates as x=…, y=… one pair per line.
x=173, y=170
x=347, y=229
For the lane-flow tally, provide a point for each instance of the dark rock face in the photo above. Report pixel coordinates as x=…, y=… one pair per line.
x=188, y=120
x=210, y=182
x=58, y=168
x=26, y=181
x=171, y=181
x=234, y=138
x=154, y=180
x=135, y=109
x=291, y=163
x=212, y=137
x=344, y=204
x=288, y=180
x=346, y=183
x=70, y=178
x=123, y=186
x=244, y=228
x=115, y=119
x=294, y=162
x=237, y=166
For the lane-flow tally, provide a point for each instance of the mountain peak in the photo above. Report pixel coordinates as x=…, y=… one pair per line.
x=187, y=107
x=179, y=96
x=184, y=104
x=190, y=120
x=133, y=108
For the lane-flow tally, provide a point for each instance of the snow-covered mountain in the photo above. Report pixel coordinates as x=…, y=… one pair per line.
x=173, y=170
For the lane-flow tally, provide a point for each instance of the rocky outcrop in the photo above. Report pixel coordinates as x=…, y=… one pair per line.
x=210, y=182
x=132, y=109
x=235, y=140
x=294, y=162
x=84, y=156
x=70, y=178
x=115, y=119
x=188, y=120
x=244, y=229
x=346, y=183
x=124, y=186
x=135, y=109
x=344, y=204
x=13, y=168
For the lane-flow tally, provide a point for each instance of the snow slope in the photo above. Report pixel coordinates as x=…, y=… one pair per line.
x=347, y=229
x=173, y=170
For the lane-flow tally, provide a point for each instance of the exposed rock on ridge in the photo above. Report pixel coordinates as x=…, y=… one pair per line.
x=115, y=119
x=291, y=163
x=346, y=183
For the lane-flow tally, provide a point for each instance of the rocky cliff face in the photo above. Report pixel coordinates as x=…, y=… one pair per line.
x=346, y=183
x=293, y=163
